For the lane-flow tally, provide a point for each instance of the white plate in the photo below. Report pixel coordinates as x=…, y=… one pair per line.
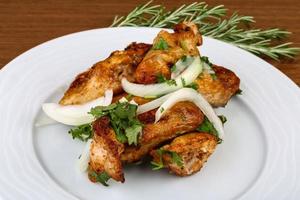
x=257, y=160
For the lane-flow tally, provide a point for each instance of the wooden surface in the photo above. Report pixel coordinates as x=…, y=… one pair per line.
x=25, y=24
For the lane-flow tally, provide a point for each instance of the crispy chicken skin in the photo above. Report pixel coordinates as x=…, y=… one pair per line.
x=182, y=42
x=105, y=74
x=193, y=149
x=181, y=118
x=219, y=91
x=105, y=151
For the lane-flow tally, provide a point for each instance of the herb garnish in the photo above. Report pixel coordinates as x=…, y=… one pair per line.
x=82, y=132
x=208, y=127
x=123, y=120
x=239, y=92
x=161, y=79
x=174, y=157
x=193, y=86
x=102, y=177
x=161, y=44
x=208, y=67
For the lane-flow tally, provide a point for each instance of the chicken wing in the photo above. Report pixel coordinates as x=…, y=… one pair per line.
x=218, y=91
x=105, y=151
x=167, y=49
x=105, y=74
x=193, y=150
x=181, y=118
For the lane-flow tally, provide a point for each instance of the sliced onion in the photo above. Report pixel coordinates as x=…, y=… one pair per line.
x=84, y=159
x=152, y=104
x=188, y=94
x=76, y=114
x=180, y=66
x=186, y=77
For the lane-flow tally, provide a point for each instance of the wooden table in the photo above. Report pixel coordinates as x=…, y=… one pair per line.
x=27, y=23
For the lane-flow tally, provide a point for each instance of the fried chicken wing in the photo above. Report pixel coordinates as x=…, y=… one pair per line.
x=105, y=151
x=218, y=91
x=167, y=49
x=183, y=117
x=105, y=74
x=193, y=149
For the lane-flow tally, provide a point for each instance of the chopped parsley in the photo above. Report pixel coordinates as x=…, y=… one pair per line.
x=161, y=79
x=162, y=110
x=82, y=132
x=184, y=58
x=239, y=92
x=193, y=86
x=173, y=69
x=208, y=67
x=223, y=119
x=174, y=157
x=161, y=44
x=208, y=127
x=123, y=120
x=183, y=82
x=102, y=177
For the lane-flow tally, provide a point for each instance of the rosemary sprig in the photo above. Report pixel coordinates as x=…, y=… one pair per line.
x=213, y=23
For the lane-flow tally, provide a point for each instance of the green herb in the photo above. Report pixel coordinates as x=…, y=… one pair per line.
x=206, y=60
x=174, y=157
x=82, y=132
x=223, y=119
x=173, y=69
x=102, y=177
x=160, y=45
x=193, y=86
x=162, y=110
x=161, y=79
x=213, y=22
x=183, y=82
x=129, y=97
x=239, y=92
x=207, y=127
x=183, y=58
x=123, y=120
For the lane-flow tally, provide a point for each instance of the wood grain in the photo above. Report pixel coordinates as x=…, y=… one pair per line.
x=27, y=23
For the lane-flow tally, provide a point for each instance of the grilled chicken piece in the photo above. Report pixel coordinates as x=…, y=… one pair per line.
x=183, y=117
x=218, y=91
x=175, y=45
x=105, y=151
x=105, y=74
x=193, y=149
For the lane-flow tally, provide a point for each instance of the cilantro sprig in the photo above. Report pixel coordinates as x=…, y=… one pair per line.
x=102, y=177
x=123, y=120
x=82, y=132
x=161, y=79
x=161, y=44
x=174, y=157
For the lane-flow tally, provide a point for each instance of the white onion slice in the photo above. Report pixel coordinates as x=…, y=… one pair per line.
x=152, y=104
x=188, y=94
x=84, y=159
x=180, y=65
x=187, y=76
x=76, y=114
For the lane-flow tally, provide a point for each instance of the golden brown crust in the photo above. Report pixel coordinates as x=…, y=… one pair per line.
x=194, y=150
x=182, y=42
x=181, y=118
x=105, y=151
x=218, y=91
x=104, y=75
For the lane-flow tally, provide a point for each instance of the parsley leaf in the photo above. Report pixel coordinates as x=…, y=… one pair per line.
x=174, y=157
x=123, y=120
x=206, y=60
x=102, y=177
x=239, y=92
x=173, y=69
x=209, y=67
x=161, y=44
x=183, y=82
x=207, y=127
x=162, y=110
x=223, y=119
x=132, y=133
x=161, y=79
x=193, y=86
x=82, y=132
